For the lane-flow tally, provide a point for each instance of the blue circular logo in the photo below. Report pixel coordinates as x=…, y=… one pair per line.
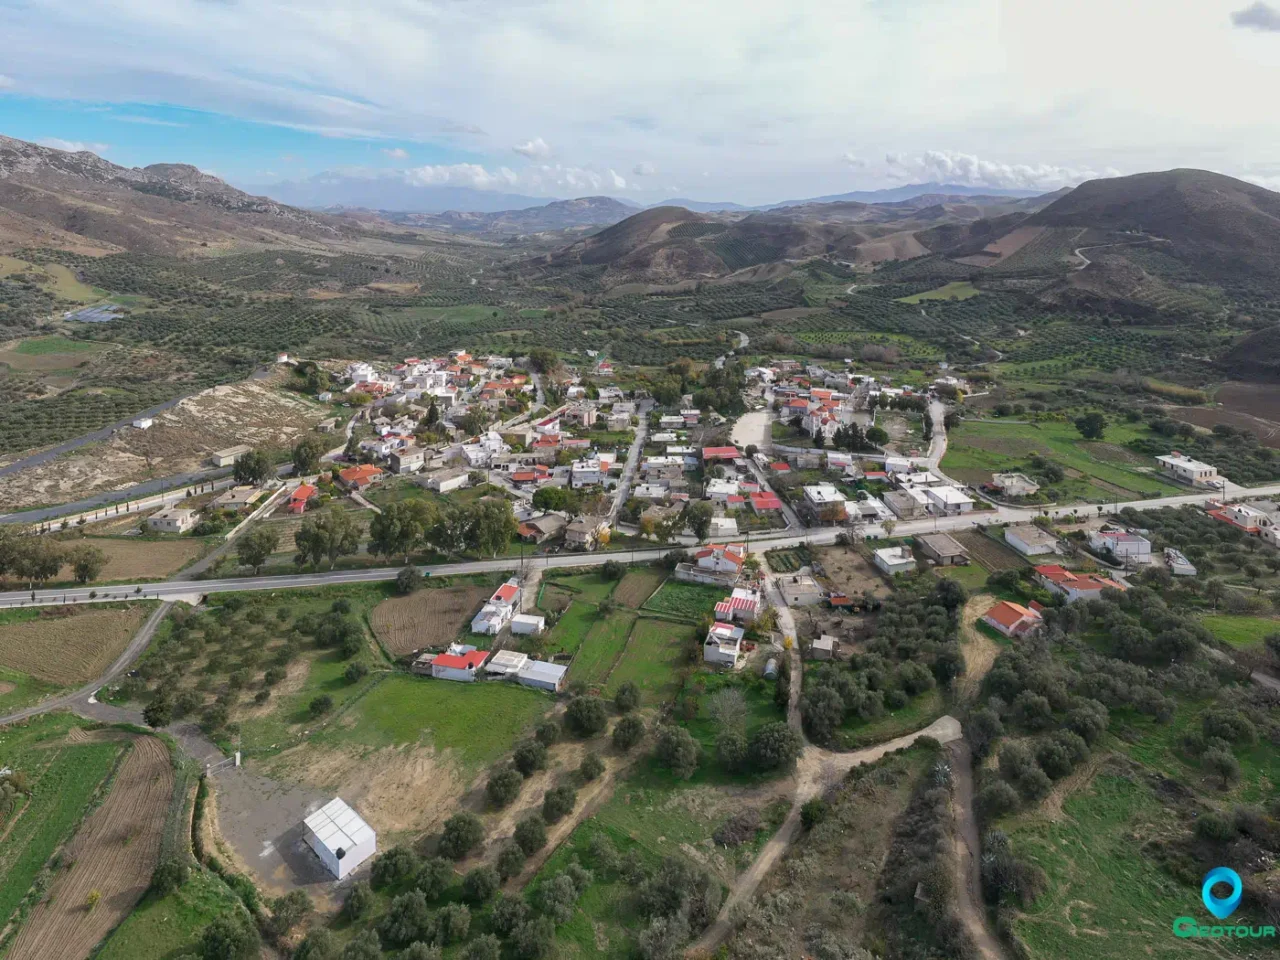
x=1221, y=907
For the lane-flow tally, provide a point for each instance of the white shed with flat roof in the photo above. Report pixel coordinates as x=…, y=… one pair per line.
x=543, y=675
x=339, y=837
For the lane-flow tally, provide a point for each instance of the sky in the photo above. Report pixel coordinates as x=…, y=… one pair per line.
x=753, y=101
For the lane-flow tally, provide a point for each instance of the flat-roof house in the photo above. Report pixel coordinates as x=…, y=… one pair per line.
x=1013, y=619
x=1186, y=470
x=1014, y=484
x=1074, y=586
x=894, y=560
x=143, y=423
x=1242, y=516
x=943, y=549
x=724, y=527
x=1122, y=545
x=526, y=624
x=949, y=500
x=1030, y=540
x=723, y=645
x=408, y=459
x=824, y=647
x=498, y=610
x=823, y=494
x=458, y=666
x=340, y=838
x=506, y=663
x=172, y=520
x=225, y=458
x=800, y=591
x=903, y=504
x=543, y=675
x=721, y=489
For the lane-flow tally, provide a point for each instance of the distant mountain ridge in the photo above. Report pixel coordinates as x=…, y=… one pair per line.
x=394, y=194
x=909, y=192
x=557, y=215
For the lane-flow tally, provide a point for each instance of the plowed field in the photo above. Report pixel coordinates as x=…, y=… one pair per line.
x=67, y=645
x=427, y=618
x=112, y=858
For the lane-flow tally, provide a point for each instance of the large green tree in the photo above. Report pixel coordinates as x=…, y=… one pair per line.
x=331, y=534
x=253, y=468
x=306, y=456
x=254, y=547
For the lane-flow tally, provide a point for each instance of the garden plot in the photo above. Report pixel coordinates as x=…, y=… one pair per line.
x=426, y=618
x=141, y=559
x=993, y=556
x=850, y=572
x=638, y=586
x=67, y=645
x=684, y=601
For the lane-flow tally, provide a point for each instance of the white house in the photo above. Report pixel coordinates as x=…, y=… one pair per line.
x=449, y=480
x=949, y=500
x=724, y=527
x=823, y=494
x=499, y=609
x=506, y=663
x=339, y=837
x=585, y=473
x=898, y=465
x=1014, y=484
x=542, y=675
x=721, y=490
x=1122, y=545
x=1075, y=586
x=143, y=423
x=722, y=557
x=359, y=371
x=723, y=645
x=894, y=560
x=408, y=459
x=458, y=666
x=1029, y=540
x=172, y=520
x=742, y=604
x=527, y=624
x=1183, y=468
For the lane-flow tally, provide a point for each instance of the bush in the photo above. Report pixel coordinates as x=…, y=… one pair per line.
x=355, y=672
x=510, y=861
x=531, y=834
x=484, y=947
x=320, y=705
x=1231, y=725
x=395, y=866
x=433, y=877
x=169, y=875
x=547, y=733
x=627, y=732
x=480, y=884
x=504, y=786
x=408, y=580
x=613, y=570
x=359, y=901
x=558, y=803
x=530, y=756
x=230, y=937
x=288, y=911
x=995, y=799
x=586, y=716
x=773, y=746
x=318, y=944
x=363, y=946
x=677, y=750
x=591, y=767
x=462, y=833
x=407, y=919
x=814, y=812
x=1215, y=827
x=731, y=750
x=627, y=698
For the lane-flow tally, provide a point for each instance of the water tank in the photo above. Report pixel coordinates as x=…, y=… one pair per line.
x=771, y=669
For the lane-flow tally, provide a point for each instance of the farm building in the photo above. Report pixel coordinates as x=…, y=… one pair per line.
x=1185, y=470
x=800, y=591
x=524, y=623
x=942, y=549
x=458, y=666
x=1029, y=540
x=824, y=647
x=143, y=423
x=742, y=604
x=1013, y=619
x=1178, y=563
x=225, y=458
x=723, y=645
x=894, y=560
x=724, y=527
x=172, y=520
x=339, y=837
x=542, y=675
x=506, y=663
x=448, y=481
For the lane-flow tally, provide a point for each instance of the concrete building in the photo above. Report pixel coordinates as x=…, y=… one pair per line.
x=408, y=459
x=340, y=838
x=225, y=458
x=506, y=663
x=172, y=520
x=1013, y=619
x=1074, y=586
x=800, y=591
x=1014, y=485
x=724, y=527
x=894, y=560
x=1029, y=540
x=824, y=647
x=949, y=501
x=903, y=504
x=1178, y=564
x=498, y=610
x=823, y=494
x=1122, y=545
x=586, y=533
x=1185, y=470
x=543, y=675
x=943, y=549
x=526, y=624
x=458, y=666
x=723, y=645
x=237, y=498
x=143, y=423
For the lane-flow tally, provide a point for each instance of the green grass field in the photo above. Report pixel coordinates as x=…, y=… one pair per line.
x=654, y=659
x=972, y=576
x=64, y=778
x=685, y=601
x=570, y=630
x=477, y=722
x=1239, y=630
x=1098, y=471
x=17, y=690
x=601, y=648
x=164, y=927
x=40, y=346
x=588, y=587
x=956, y=290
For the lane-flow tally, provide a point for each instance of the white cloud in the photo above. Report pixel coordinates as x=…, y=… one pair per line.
x=397, y=153
x=535, y=149
x=146, y=121
x=6, y=83
x=465, y=174
x=73, y=146
x=946, y=166
x=644, y=169
x=1260, y=16
x=854, y=162
x=618, y=182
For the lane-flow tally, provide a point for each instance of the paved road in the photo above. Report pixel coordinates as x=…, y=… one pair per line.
x=122, y=663
x=633, y=459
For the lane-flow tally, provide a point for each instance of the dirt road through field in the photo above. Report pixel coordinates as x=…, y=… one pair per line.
x=978, y=649
x=966, y=861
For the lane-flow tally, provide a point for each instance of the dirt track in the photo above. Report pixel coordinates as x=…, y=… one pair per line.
x=979, y=650
x=113, y=854
x=967, y=850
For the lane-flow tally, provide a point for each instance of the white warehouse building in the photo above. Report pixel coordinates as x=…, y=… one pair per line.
x=339, y=837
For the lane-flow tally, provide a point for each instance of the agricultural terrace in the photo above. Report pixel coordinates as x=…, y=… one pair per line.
x=957, y=290
x=1095, y=471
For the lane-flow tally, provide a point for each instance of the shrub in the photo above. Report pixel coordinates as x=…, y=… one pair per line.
x=480, y=884
x=627, y=698
x=677, y=750
x=288, y=911
x=731, y=750
x=814, y=812
x=558, y=803
x=1215, y=827
x=355, y=672
x=591, y=767
x=627, y=732
x=995, y=799
x=318, y=944
x=547, y=733
x=359, y=901
x=320, y=705
x=530, y=756
x=773, y=746
x=510, y=861
x=408, y=580
x=531, y=834
x=504, y=786
x=1231, y=725
x=462, y=832
x=230, y=937
x=586, y=716
x=433, y=877
x=169, y=875
x=395, y=866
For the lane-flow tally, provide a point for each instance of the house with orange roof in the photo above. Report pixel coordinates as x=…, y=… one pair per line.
x=301, y=496
x=1013, y=619
x=1074, y=586
x=360, y=477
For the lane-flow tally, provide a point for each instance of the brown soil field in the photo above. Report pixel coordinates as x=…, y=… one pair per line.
x=850, y=571
x=1115, y=453
x=638, y=586
x=993, y=556
x=141, y=559
x=1255, y=399
x=67, y=645
x=113, y=854
x=427, y=618
x=252, y=412
x=893, y=246
x=1267, y=431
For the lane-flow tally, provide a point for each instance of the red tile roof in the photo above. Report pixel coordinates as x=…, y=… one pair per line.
x=505, y=593
x=1009, y=614
x=361, y=474
x=780, y=466
x=720, y=453
x=464, y=661
x=305, y=492
x=765, y=501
